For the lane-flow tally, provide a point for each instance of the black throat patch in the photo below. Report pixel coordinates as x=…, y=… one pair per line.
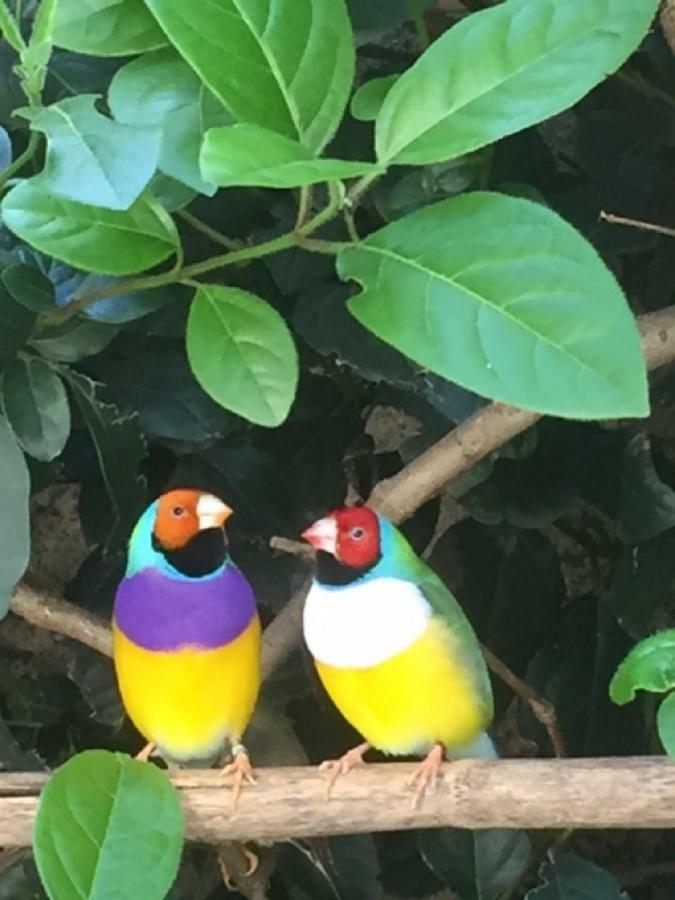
x=331, y=571
x=203, y=554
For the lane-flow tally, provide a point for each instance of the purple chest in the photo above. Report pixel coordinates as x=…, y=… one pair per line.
x=161, y=613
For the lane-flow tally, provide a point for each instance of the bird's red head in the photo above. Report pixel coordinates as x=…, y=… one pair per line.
x=183, y=513
x=351, y=534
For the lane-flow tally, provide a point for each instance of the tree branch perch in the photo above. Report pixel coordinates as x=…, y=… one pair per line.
x=635, y=792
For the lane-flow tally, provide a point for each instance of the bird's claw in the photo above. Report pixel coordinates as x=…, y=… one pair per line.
x=425, y=776
x=242, y=770
x=342, y=766
x=253, y=861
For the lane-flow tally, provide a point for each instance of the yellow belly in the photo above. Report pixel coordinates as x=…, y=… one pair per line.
x=409, y=702
x=189, y=701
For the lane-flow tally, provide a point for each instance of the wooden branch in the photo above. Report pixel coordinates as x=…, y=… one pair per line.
x=397, y=497
x=631, y=793
x=46, y=611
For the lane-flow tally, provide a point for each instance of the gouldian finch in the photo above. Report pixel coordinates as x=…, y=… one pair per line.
x=186, y=633
x=393, y=648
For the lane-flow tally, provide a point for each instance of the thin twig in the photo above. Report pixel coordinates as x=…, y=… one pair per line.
x=636, y=223
x=21, y=160
x=543, y=709
x=205, y=229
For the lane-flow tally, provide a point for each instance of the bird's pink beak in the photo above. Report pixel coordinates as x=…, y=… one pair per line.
x=323, y=534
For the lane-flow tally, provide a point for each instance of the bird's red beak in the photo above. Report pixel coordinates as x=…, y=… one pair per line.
x=323, y=534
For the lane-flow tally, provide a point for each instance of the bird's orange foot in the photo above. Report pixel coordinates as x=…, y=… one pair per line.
x=147, y=751
x=424, y=777
x=336, y=767
x=242, y=770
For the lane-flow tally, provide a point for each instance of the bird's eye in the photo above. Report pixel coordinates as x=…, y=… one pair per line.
x=357, y=533
x=178, y=511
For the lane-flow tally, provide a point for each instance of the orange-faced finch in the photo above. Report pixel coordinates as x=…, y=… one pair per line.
x=186, y=634
x=393, y=648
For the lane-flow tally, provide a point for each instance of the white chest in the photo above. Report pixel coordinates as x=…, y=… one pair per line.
x=363, y=624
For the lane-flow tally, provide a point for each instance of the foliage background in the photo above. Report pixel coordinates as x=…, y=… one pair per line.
x=562, y=545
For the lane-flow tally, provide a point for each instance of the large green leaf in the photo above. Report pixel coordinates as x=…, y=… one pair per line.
x=161, y=89
x=29, y=287
x=35, y=403
x=15, y=536
x=665, y=723
x=505, y=298
x=478, y=865
x=108, y=242
x=502, y=70
x=108, y=826
x=650, y=666
x=285, y=64
x=120, y=448
x=14, y=529
x=16, y=324
x=74, y=339
x=106, y=27
x=257, y=157
x=570, y=877
x=90, y=158
x=242, y=353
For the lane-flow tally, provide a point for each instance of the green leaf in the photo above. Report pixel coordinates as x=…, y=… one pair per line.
x=108, y=242
x=157, y=383
x=29, y=287
x=106, y=27
x=161, y=89
x=35, y=403
x=569, y=877
x=15, y=530
x=665, y=723
x=242, y=353
x=16, y=324
x=646, y=505
x=90, y=158
x=5, y=149
x=505, y=298
x=124, y=307
x=650, y=666
x=257, y=157
x=120, y=448
x=74, y=339
x=10, y=29
x=289, y=64
x=501, y=70
x=478, y=865
x=106, y=826
x=368, y=99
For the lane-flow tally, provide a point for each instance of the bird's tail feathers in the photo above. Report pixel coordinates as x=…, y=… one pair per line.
x=482, y=748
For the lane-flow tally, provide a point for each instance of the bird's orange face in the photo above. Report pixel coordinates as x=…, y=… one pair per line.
x=183, y=513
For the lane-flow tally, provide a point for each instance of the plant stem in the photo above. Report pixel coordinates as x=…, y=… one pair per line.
x=636, y=223
x=318, y=246
x=359, y=188
x=21, y=160
x=348, y=216
x=417, y=15
x=304, y=205
x=241, y=254
x=205, y=229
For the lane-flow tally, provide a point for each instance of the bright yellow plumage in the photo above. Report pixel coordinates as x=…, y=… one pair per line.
x=408, y=702
x=188, y=701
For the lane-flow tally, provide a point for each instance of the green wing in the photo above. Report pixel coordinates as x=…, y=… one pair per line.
x=460, y=632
